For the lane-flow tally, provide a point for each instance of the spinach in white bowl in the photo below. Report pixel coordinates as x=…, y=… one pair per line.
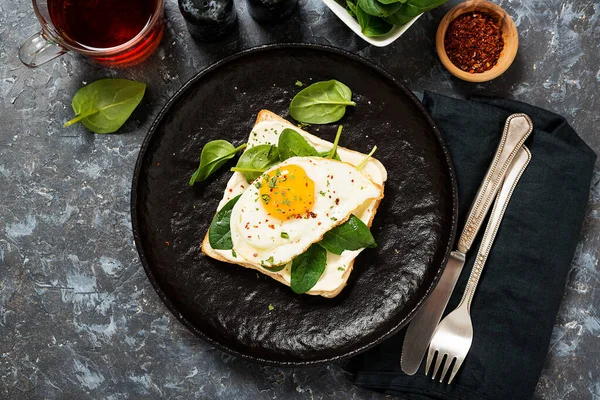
x=380, y=22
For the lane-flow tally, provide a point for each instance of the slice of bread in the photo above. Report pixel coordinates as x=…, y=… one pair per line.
x=373, y=165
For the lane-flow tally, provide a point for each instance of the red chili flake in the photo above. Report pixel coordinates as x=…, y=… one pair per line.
x=247, y=225
x=230, y=190
x=337, y=201
x=168, y=243
x=158, y=164
x=249, y=237
x=352, y=181
x=474, y=42
x=255, y=255
x=272, y=226
x=318, y=223
x=313, y=215
x=306, y=184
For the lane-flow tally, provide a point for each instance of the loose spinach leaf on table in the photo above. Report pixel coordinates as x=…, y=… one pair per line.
x=351, y=235
x=293, y=144
x=103, y=106
x=219, y=233
x=307, y=268
x=214, y=155
x=256, y=160
x=321, y=103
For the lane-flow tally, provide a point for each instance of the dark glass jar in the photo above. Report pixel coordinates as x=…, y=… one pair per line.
x=209, y=20
x=270, y=10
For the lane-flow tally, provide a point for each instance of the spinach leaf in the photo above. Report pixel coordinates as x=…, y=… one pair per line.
x=321, y=103
x=411, y=9
x=351, y=235
x=307, y=268
x=332, y=154
x=219, y=233
x=325, y=154
x=293, y=144
x=351, y=8
x=103, y=106
x=372, y=26
x=377, y=9
x=257, y=160
x=214, y=155
x=391, y=1
x=333, y=151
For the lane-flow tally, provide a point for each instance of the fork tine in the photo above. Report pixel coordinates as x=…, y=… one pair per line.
x=445, y=370
x=438, y=362
x=430, y=355
x=455, y=369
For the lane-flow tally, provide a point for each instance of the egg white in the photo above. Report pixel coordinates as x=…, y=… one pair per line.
x=340, y=188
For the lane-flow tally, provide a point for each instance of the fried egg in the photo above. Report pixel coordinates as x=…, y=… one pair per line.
x=293, y=204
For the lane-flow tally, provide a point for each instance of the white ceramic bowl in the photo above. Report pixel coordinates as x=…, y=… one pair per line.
x=379, y=41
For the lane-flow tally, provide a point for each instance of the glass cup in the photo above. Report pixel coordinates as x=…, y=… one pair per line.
x=50, y=43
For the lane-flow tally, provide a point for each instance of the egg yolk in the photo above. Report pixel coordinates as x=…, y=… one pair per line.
x=287, y=192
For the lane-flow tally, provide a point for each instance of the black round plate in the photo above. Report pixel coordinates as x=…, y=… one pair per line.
x=228, y=305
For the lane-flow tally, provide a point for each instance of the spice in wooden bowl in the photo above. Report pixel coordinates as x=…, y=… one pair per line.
x=474, y=42
x=477, y=41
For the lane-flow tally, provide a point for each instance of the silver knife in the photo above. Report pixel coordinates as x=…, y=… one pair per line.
x=420, y=330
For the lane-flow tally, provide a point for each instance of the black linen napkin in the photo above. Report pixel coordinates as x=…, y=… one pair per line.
x=520, y=291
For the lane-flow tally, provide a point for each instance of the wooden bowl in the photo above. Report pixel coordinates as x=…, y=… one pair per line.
x=509, y=34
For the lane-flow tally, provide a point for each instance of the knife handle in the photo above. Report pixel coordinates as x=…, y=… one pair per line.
x=512, y=178
x=516, y=129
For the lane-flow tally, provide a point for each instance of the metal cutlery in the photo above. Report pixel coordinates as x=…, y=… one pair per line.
x=420, y=330
x=452, y=339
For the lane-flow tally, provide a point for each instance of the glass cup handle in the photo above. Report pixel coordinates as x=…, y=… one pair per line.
x=38, y=49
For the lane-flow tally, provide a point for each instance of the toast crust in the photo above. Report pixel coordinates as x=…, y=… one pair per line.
x=265, y=115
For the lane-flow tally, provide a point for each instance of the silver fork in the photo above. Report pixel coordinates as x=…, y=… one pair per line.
x=453, y=336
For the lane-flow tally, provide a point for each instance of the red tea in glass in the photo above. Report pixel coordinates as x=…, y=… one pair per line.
x=115, y=33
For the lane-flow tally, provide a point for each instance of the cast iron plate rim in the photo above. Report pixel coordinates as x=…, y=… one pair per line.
x=166, y=108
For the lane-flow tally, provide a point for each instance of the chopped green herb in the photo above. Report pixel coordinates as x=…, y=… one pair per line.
x=322, y=193
x=258, y=185
x=285, y=235
x=266, y=198
x=341, y=269
x=273, y=182
x=333, y=218
x=299, y=84
x=233, y=253
x=271, y=308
